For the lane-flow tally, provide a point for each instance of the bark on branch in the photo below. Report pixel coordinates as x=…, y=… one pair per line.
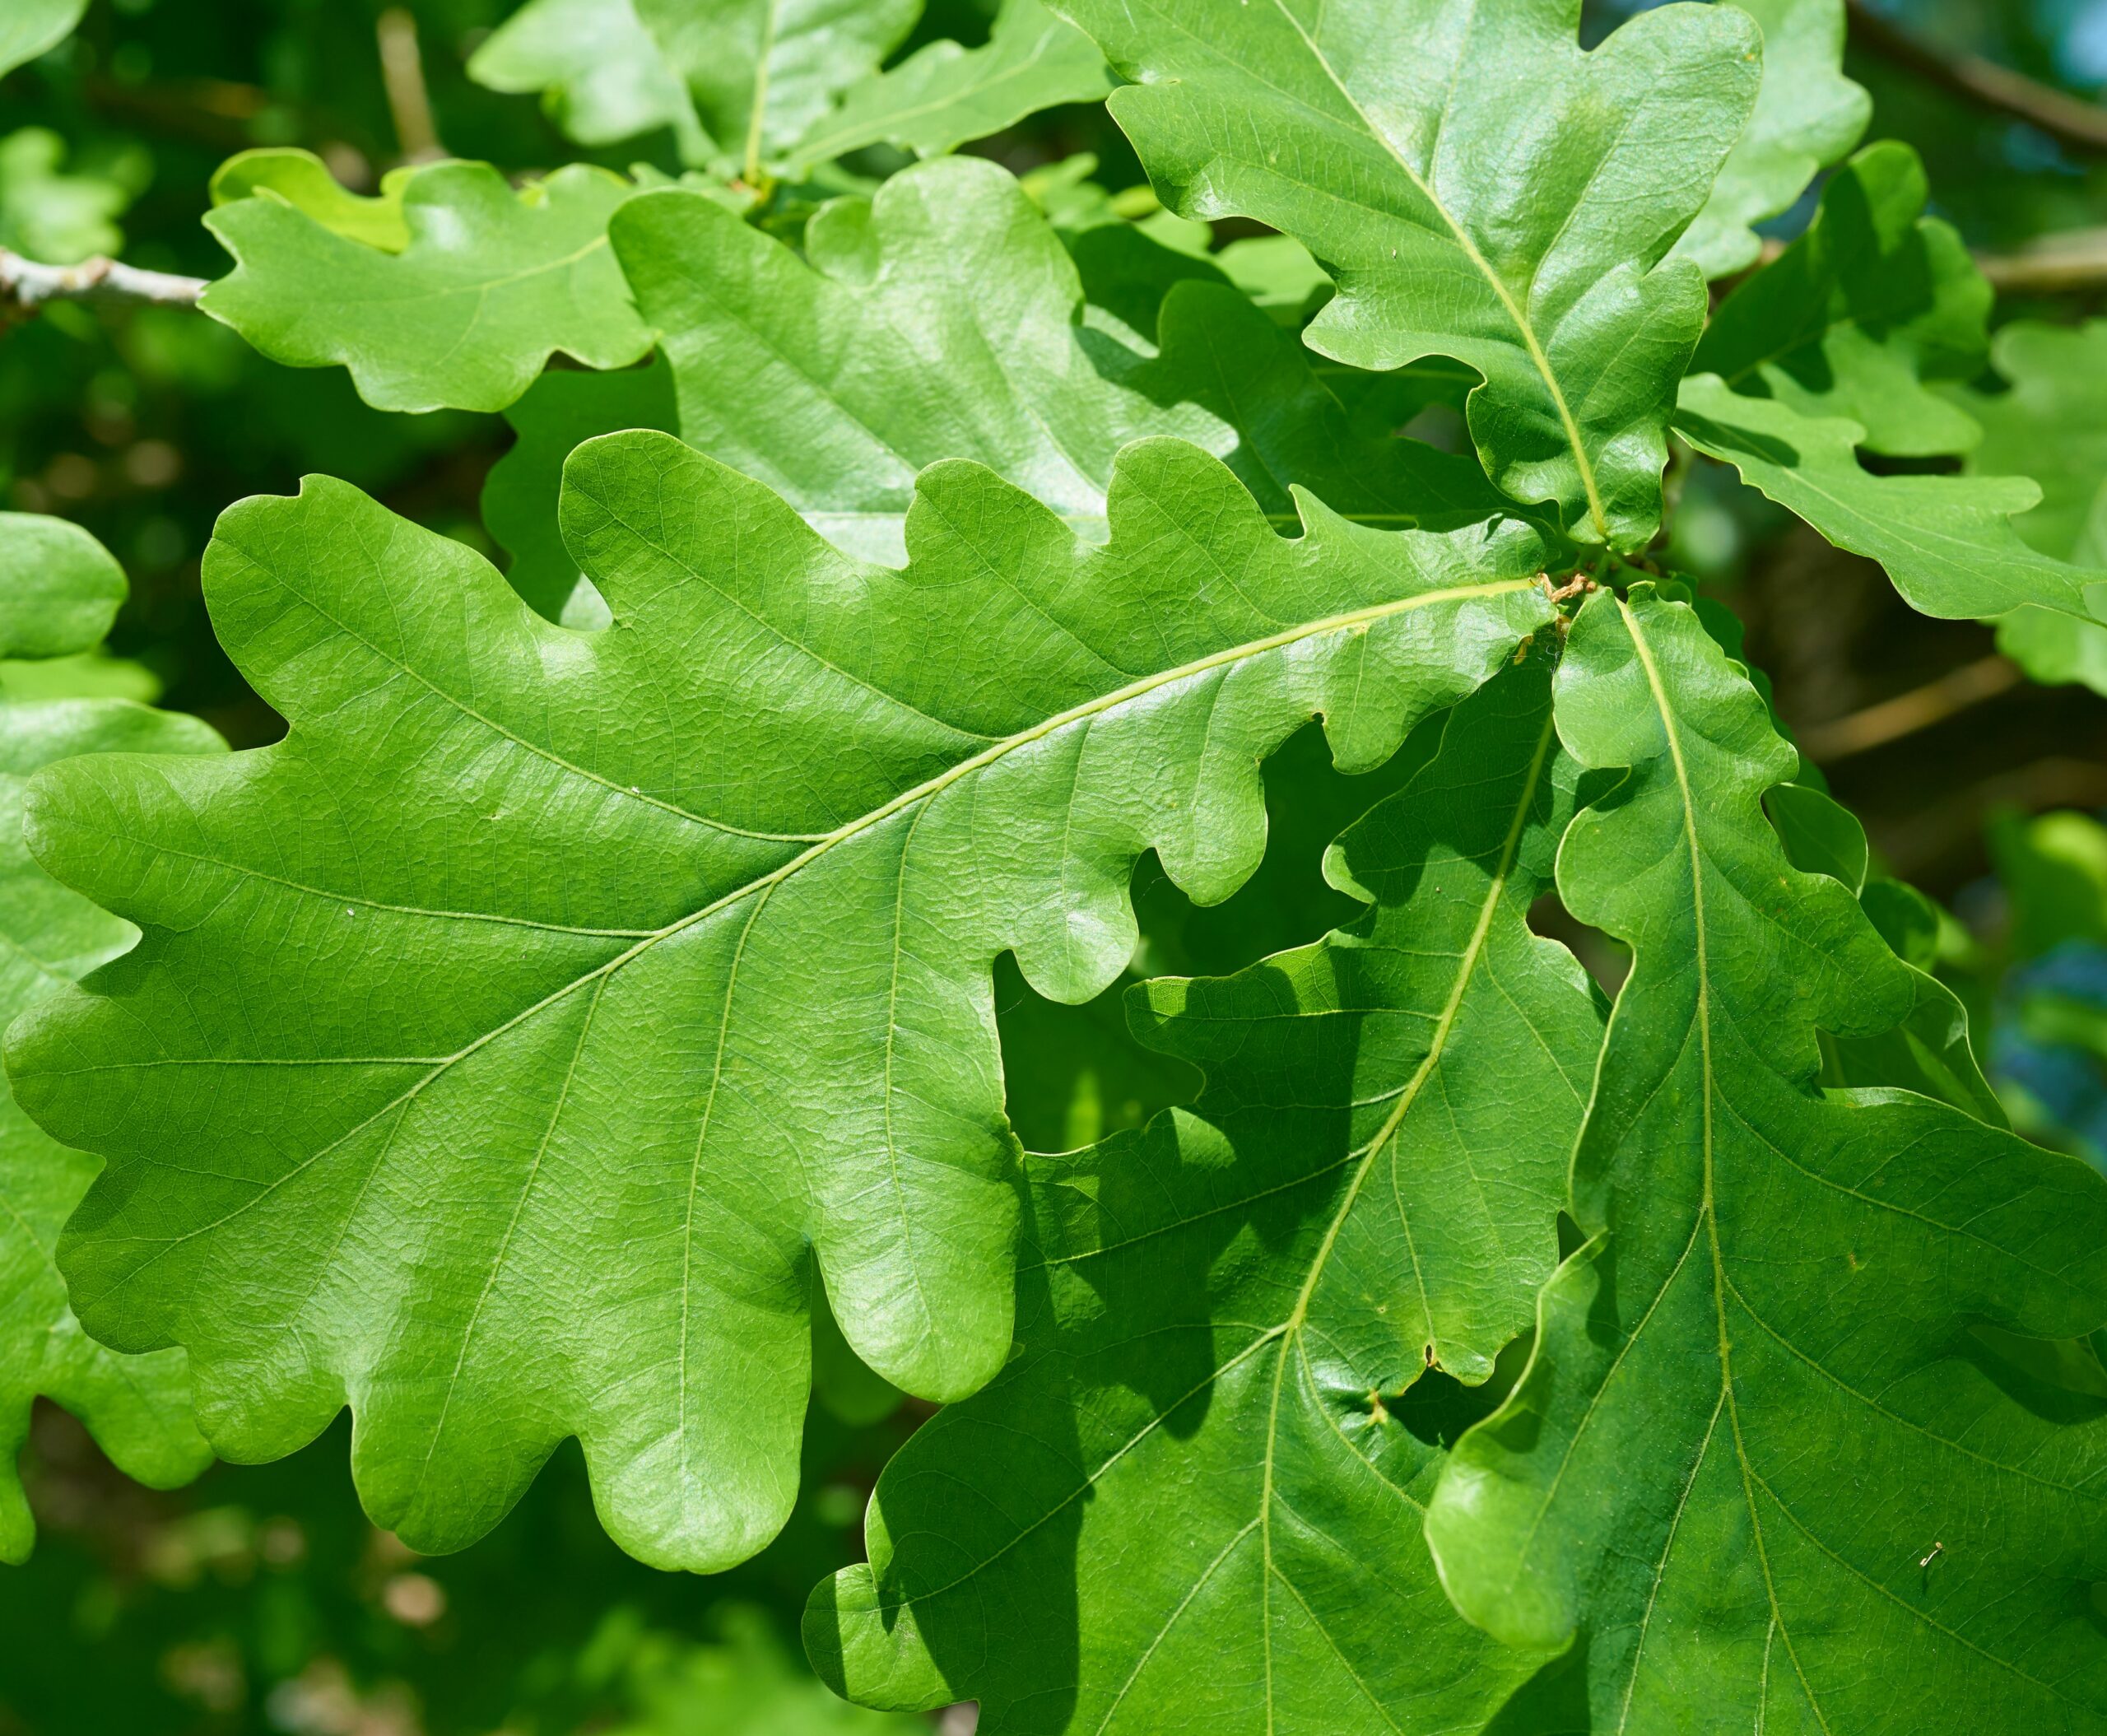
x=2070, y=120
x=26, y=286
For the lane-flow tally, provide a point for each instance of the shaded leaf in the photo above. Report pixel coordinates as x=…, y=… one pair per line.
x=1862, y=314
x=57, y=597
x=943, y=95
x=1198, y=1485
x=1946, y=541
x=761, y=72
x=492, y=283
x=651, y=965
x=303, y=180
x=1808, y=114
x=1531, y=245
x=1756, y=1403
x=2051, y=425
x=599, y=73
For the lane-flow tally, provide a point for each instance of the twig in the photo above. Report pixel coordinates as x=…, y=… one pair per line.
x=403, y=71
x=1907, y=713
x=2074, y=262
x=2068, y=119
x=26, y=284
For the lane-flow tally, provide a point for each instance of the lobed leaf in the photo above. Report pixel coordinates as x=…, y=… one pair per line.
x=1946, y=541
x=1863, y=314
x=491, y=284
x=1478, y=188
x=640, y=969
x=943, y=95
x=1199, y=1484
x=303, y=180
x=599, y=72
x=58, y=589
x=1760, y=1440
x=944, y=319
x=761, y=72
x=2051, y=425
x=1806, y=115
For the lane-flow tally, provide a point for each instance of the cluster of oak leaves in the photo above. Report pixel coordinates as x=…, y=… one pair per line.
x=595, y=983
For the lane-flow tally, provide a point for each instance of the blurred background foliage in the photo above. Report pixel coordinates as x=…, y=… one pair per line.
x=260, y=1598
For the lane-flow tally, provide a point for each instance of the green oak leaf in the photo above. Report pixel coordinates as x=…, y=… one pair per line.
x=943, y=319
x=48, y=214
x=599, y=72
x=943, y=95
x=2051, y=425
x=1927, y=1050
x=29, y=28
x=1948, y=543
x=1808, y=114
x=1862, y=314
x=762, y=72
x=1199, y=1483
x=59, y=588
x=653, y=964
x=1532, y=244
x=303, y=180
x=1759, y=1441
x=56, y=601
x=559, y=413
x=492, y=283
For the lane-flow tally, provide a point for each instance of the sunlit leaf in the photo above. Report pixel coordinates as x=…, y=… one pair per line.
x=303, y=180
x=491, y=284
x=1478, y=188
x=57, y=591
x=1862, y=314
x=1760, y=1440
x=599, y=72
x=2051, y=425
x=645, y=967
x=761, y=72
x=1200, y=1481
x=943, y=95
x=1808, y=114
x=1948, y=543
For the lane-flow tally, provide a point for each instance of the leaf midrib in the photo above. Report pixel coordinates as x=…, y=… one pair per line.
x=1708, y=1207
x=1290, y=1332
x=927, y=791
x=1537, y=357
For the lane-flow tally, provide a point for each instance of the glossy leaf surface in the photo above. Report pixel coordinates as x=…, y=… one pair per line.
x=657, y=958
x=491, y=284
x=1478, y=188
x=57, y=599
x=1199, y=1487
x=1946, y=541
x=1761, y=1440
x=943, y=95
x=1806, y=115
